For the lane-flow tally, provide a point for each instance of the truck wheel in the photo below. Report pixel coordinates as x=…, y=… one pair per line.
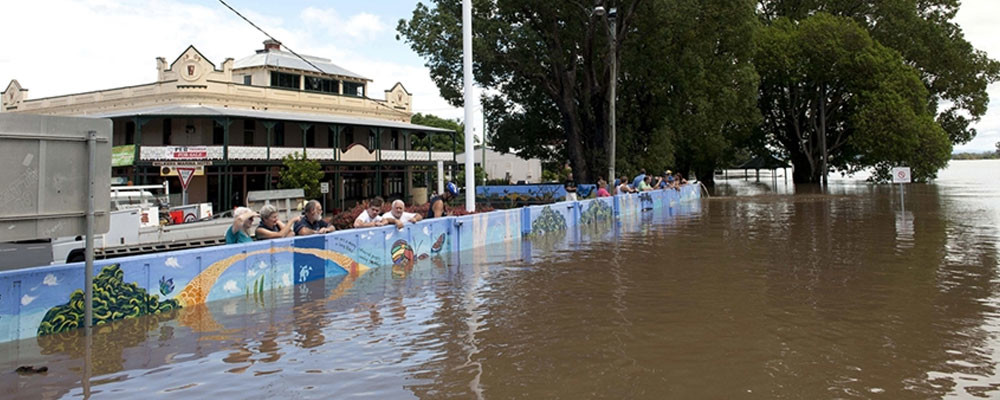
x=76, y=256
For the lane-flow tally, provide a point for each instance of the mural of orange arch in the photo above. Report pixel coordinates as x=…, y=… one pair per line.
x=196, y=291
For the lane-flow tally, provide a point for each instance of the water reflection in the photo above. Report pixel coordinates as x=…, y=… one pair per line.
x=821, y=294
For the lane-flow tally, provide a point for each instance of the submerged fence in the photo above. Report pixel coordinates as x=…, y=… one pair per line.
x=48, y=300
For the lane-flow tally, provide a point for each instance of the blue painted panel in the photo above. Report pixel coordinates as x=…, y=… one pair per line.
x=234, y=280
x=552, y=218
x=551, y=192
x=281, y=265
x=372, y=246
x=308, y=267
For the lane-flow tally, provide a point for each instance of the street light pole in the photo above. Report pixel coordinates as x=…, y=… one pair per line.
x=470, y=172
x=612, y=16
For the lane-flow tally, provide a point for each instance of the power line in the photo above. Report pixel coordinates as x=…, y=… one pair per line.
x=320, y=70
x=272, y=38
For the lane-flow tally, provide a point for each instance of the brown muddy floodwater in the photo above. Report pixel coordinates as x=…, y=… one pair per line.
x=759, y=292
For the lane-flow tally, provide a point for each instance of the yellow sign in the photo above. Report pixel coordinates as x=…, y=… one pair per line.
x=199, y=170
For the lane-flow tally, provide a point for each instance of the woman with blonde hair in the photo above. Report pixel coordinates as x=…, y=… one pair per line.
x=239, y=231
x=271, y=227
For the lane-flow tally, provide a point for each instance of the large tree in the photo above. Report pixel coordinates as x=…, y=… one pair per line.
x=689, y=86
x=831, y=96
x=924, y=33
x=545, y=66
x=686, y=84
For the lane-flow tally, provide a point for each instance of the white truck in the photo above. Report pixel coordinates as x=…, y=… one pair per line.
x=141, y=222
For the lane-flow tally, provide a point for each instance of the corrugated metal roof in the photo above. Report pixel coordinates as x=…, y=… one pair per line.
x=208, y=111
x=283, y=59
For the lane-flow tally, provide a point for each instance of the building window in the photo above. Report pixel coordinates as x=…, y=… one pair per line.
x=394, y=141
x=249, y=129
x=167, y=131
x=247, y=80
x=372, y=141
x=315, y=84
x=218, y=134
x=280, y=79
x=311, y=136
x=279, y=134
x=349, y=137
x=354, y=89
x=129, y=132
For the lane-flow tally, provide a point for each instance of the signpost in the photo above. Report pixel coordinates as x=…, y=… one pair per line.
x=47, y=191
x=185, y=173
x=324, y=188
x=901, y=175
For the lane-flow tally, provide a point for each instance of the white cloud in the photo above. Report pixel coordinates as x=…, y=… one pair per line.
x=172, y=263
x=978, y=21
x=363, y=26
x=50, y=280
x=427, y=230
x=231, y=287
x=25, y=300
x=286, y=280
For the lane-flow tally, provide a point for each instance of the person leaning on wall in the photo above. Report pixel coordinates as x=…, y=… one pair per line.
x=398, y=212
x=371, y=216
x=239, y=231
x=437, y=204
x=271, y=227
x=312, y=221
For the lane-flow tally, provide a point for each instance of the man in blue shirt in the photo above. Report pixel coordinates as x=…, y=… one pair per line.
x=312, y=222
x=639, y=178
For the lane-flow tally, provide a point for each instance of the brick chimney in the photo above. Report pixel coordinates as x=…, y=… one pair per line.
x=271, y=44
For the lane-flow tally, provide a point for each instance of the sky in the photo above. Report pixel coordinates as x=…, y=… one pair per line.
x=70, y=46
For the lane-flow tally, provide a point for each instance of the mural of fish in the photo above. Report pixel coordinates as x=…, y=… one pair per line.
x=438, y=244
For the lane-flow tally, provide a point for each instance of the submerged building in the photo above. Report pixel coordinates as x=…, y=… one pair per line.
x=239, y=119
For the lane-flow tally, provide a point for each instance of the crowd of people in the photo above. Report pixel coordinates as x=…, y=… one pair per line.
x=641, y=183
x=311, y=221
x=246, y=228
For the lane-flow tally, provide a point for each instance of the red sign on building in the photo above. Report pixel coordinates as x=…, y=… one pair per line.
x=190, y=153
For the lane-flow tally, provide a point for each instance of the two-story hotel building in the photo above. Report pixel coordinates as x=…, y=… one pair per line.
x=239, y=120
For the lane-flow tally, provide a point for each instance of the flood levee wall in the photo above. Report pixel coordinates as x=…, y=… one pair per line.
x=48, y=300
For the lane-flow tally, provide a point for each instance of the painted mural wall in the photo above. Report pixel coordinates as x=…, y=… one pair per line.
x=519, y=195
x=48, y=300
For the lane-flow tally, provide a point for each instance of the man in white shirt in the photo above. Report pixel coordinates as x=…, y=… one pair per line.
x=398, y=212
x=370, y=216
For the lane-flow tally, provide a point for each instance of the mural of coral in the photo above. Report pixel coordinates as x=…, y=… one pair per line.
x=548, y=221
x=597, y=211
x=113, y=299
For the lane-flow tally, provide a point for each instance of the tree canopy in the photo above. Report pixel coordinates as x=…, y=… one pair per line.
x=832, y=96
x=300, y=172
x=829, y=84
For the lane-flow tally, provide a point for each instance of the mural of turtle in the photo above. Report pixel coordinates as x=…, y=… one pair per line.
x=548, y=221
x=113, y=299
x=598, y=211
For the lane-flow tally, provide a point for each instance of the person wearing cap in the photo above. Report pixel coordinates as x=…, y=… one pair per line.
x=437, y=203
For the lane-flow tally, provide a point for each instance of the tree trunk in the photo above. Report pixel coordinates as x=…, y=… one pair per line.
x=803, y=171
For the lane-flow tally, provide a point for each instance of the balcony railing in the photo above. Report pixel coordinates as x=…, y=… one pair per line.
x=260, y=153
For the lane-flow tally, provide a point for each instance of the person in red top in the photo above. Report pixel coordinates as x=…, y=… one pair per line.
x=602, y=190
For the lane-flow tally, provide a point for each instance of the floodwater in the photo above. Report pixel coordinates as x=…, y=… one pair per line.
x=763, y=291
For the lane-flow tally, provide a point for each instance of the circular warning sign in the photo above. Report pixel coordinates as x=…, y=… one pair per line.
x=901, y=175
